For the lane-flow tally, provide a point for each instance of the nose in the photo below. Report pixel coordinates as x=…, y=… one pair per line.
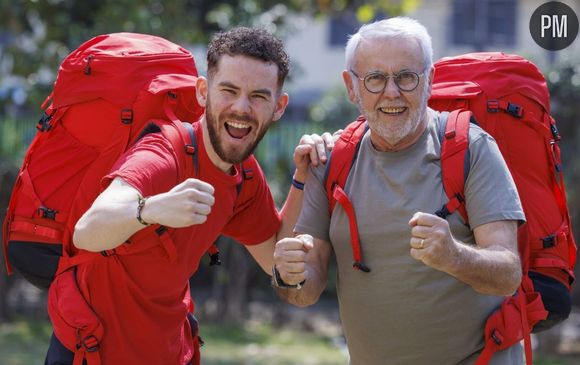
x=241, y=105
x=391, y=89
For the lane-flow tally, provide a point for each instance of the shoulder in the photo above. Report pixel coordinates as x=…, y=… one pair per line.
x=478, y=134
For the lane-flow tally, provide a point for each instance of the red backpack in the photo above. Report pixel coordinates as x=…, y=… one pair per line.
x=509, y=99
x=109, y=92
x=106, y=92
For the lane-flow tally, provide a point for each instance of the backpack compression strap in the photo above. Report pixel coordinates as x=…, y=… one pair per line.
x=455, y=162
x=343, y=156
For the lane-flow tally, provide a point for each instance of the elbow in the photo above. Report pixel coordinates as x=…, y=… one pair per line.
x=514, y=282
x=513, y=277
x=81, y=238
x=506, y=287
x=305, y=302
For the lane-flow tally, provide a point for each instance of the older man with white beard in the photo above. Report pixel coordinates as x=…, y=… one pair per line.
x=432, y=282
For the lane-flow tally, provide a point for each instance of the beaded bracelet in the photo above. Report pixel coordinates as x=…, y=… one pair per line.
x=140, y=204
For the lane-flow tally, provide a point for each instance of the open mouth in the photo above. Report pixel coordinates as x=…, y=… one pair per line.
x=237, y=130
x=393, y=110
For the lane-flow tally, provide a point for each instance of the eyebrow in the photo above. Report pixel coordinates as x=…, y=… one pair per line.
x=228, y=84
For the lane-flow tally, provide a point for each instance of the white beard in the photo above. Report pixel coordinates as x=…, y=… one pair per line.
x=393, y=133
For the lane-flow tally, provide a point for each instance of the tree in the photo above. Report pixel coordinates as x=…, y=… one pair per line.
x=564, y=84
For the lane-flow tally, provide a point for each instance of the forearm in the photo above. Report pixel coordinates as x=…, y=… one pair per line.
x=291, y=209
x=105, y=227
x=493, y=270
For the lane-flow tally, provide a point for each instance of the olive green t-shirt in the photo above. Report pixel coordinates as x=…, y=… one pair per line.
x=402, y=311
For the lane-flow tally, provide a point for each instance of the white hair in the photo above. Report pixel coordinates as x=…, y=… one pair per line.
x=398, y=27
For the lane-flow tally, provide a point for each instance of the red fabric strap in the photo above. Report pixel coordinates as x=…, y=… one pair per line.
x=28, y=187
x=454, y=147
x=22, y=226
x=340, y=196
x=548, y=262
x=342, y=157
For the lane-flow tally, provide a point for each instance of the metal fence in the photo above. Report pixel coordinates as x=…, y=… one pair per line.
x=274, y=152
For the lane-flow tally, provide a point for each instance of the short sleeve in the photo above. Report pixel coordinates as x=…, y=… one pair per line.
x=255, y=218
x=490, y=191
x=149, y=166
x=314, y=217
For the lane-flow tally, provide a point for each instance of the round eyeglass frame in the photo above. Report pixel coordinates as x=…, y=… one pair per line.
x=387, y=77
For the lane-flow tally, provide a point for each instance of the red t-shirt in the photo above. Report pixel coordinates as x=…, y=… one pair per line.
x=143, y=299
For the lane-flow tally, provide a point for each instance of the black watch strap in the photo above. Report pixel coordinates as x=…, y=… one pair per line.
x=279, y=283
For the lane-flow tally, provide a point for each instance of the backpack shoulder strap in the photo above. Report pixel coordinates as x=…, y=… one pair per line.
x=455, y=161
x=181, y=135
x=342, y=158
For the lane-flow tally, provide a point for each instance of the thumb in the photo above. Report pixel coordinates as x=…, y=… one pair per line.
x=307, y=241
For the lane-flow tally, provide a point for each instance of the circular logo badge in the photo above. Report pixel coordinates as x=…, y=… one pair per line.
x=554, y=26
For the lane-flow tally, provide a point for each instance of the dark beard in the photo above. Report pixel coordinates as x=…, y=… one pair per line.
x=232, y=157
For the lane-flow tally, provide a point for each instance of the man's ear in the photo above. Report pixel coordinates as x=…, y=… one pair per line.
x=201, y=86
x=348, y=83
x=281, y=105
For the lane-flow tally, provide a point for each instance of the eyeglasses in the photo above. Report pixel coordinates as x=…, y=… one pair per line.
x=376, y=82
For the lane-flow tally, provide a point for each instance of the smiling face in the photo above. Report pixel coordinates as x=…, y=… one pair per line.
x=396, y=118
x=242, y=99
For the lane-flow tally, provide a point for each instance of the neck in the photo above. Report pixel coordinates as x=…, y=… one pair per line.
x=213, y=156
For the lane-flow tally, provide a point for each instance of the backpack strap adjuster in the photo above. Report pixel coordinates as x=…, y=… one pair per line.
x=126, y=116
x=90, y=343
x=189, y=149
x=248, y=174
x=496, y=337
x=108, y=253
x=493, y=106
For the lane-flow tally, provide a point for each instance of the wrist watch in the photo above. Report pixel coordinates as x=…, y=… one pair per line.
x=279, y=283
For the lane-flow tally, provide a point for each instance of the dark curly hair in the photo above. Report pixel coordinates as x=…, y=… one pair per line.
x=252, y=42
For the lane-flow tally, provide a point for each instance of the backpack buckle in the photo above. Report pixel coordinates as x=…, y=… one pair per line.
x=493, y=106
x=555, y=132
x=47, y=213
x=215, y=259
x=515, y=110
x=554, y=239
x=43, y=124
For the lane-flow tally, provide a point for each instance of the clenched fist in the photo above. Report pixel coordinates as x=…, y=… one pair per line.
x=290, y=258
x=186, y=204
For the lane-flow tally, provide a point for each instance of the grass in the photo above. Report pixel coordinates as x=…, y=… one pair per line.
x=260, y=344
x=25, y=343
